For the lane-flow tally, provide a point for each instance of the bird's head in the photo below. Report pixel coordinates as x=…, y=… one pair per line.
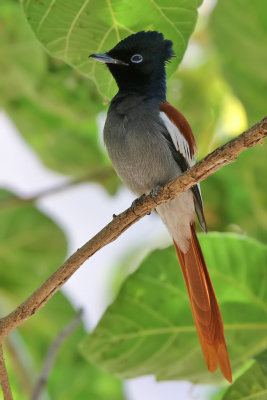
x=138, y=62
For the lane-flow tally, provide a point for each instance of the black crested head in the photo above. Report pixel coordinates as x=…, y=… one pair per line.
x=138, y=63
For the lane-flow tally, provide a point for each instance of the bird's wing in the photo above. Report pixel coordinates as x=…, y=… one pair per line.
x=183, y=146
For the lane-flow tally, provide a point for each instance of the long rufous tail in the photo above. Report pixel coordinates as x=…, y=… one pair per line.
x=205, y=308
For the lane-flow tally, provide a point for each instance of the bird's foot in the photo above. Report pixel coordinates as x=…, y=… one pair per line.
x=154, y=193
x=137, y=202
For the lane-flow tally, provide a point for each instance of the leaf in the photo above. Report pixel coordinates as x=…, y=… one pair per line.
x=71, y=377
x=64, y=143
x=52, y=105
x=73, y=30
x=252, y=384
x=22, y=59
x=262, y=361
x=242, y=186
x=241, y=39
x=31, y=247
x=149, y=328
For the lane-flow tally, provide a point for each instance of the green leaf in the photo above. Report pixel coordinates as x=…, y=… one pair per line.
x=73, y=30
x=252, y=384
x=31, y=247
x=22, y=59
x=149, y=328
x=241, y=39
x=54, y=132
x=242, y=186
x=71, y=377
x=53, y=106
x=262, y=361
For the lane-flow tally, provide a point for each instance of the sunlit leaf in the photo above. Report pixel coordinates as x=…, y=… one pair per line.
x=149, y=327
x=73, y=30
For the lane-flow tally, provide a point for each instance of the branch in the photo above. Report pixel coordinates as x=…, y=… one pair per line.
x=51, y=355
x=218, y=158
x=4, y=377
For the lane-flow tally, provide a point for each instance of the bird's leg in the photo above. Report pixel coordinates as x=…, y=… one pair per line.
x=154, y=193
x=136, y=202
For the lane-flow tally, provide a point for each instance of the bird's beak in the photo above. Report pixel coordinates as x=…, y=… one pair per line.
x=104, y=58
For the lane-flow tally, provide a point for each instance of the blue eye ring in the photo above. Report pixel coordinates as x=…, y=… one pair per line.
x=136, y=58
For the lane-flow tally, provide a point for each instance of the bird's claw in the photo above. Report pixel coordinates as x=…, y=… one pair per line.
x=154, y=193
x=137, y=202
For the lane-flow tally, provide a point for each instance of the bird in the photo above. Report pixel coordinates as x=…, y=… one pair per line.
x=150, y=143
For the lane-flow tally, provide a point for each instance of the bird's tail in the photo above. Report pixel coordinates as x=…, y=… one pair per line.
x=204, y=307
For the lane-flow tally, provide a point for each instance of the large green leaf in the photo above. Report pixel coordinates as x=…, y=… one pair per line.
x=73, y=30
x=240, y=33
x=252, y=384
x=149, y=328
x=31, y=248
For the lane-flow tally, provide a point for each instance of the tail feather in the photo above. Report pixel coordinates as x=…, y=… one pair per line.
x=205, y=308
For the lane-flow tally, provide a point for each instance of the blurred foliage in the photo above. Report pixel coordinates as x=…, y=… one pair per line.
x=31, y=248
x=142, y=333
x=239, y=30
x=40, y=247
x=221, y=87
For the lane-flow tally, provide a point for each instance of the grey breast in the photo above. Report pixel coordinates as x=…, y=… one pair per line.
x=136, y=146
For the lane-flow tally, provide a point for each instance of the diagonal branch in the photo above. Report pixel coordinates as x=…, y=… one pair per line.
x=211, y=163
x=52, y=353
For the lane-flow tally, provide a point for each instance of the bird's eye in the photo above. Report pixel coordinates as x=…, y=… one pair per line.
x=136, y=58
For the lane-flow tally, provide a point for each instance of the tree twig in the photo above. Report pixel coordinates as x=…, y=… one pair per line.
x=19, y=363
x=4, y=377
x=215, y=160
x=51, y=355
x=99, y=175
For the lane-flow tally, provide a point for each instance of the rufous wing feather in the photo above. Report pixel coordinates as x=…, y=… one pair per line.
x=204, y=307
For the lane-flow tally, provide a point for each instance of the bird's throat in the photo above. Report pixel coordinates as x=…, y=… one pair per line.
x=153, y=85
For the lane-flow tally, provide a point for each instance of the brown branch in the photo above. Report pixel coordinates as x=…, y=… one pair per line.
x=218, y=158
x=4, y=377
x=51, y=355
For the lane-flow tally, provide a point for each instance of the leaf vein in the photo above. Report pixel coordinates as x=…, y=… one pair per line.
x=45, y=15
x=113, y=19
x=74, y=22
x=168, y=20
x=149, y=310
